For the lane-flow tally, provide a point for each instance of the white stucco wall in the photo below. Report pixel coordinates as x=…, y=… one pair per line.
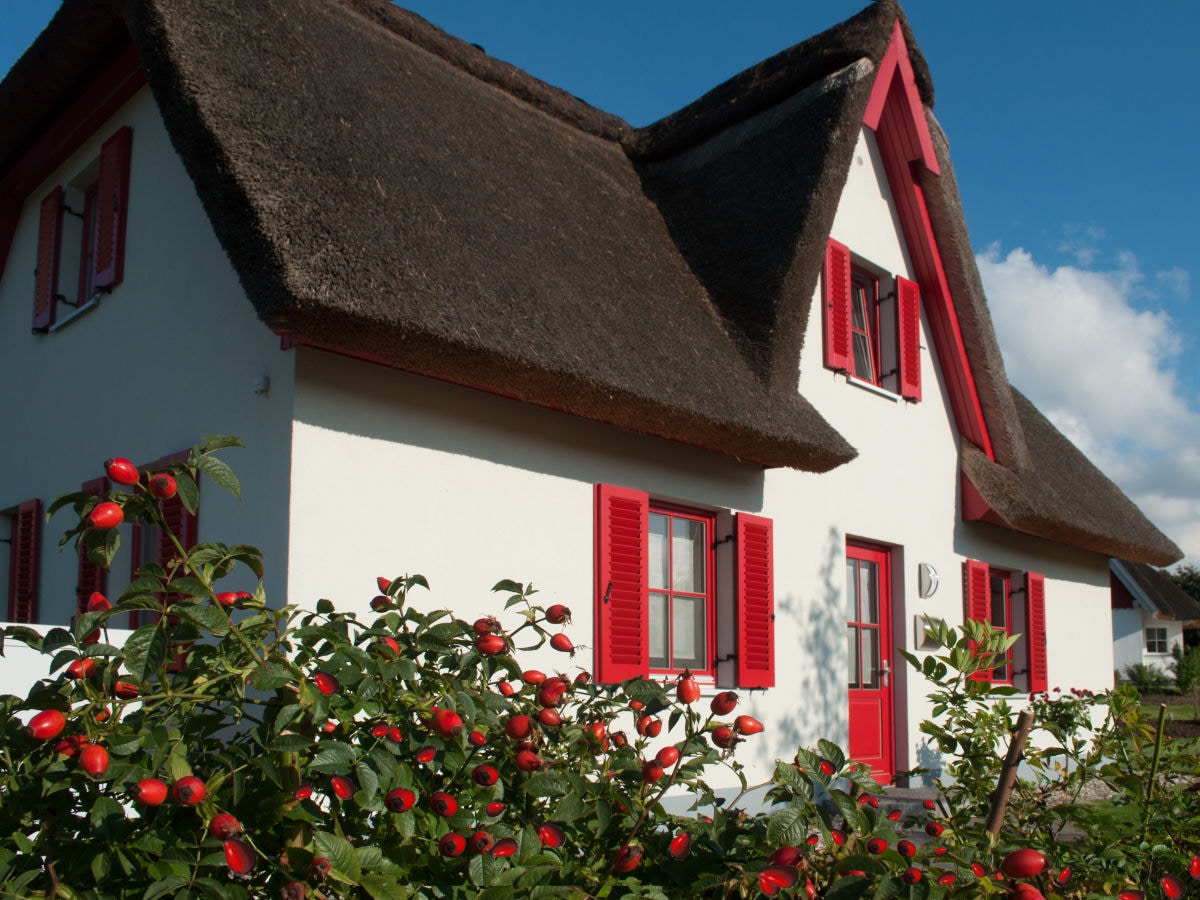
x=902, y=491
x=169, y=356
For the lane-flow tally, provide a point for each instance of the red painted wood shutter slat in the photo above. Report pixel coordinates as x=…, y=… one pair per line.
x=112, y=199
x=622, y=583
x=977, y=602
x=49, y=246
x=836, y=285
x=26, y=558
x=91, y=577
x=755, y=602
x=1035, y=625
x=908, y=311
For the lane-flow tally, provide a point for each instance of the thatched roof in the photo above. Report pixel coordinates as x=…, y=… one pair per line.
x=1154, y=590
x=388, y=191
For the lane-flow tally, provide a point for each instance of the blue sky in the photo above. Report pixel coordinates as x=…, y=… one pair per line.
x=1073, y=126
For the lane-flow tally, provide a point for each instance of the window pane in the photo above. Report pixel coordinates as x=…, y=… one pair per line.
x=851, y=590
x=687, y=555
x=870, y=657
x=687, y=630
x=660, y=560
x=659, y=625
x=1000, y=603
x=864, y=366
x=868, y=574
x=858, y=307
x=852, y=654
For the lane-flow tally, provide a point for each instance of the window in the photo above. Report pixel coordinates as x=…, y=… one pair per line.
x=658, y=567
x=872, y=323
x=1156, y=640
x=864, y=324
x=24, y=558
x=988, y=597
x=81, y=235
x=682, y=596
x=999, y=586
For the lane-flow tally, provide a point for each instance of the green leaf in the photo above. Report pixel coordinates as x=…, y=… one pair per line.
x=211, y=442
x=570, y=808
x=269, y=676
x=55, y=639
x=334, y=756
x=508, y=587
x=186, y=584
x=167, y=887
x=206, y=618
x=187, y=490
x=381, y=887
x=145, y=651
x=340, y=854
x=26, y=636
x=102, y=546
x=788, y=826
x=220, y=472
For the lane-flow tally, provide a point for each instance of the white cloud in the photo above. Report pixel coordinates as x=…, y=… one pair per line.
x=1104, y=372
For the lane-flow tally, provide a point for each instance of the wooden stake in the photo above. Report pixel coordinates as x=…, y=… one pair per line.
x=1008, y=772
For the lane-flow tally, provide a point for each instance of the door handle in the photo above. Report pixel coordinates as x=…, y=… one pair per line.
x=885, y=671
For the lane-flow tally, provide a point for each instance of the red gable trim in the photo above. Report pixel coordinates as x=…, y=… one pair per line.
x=974, y=507
x=895, y=76
x=896, y=115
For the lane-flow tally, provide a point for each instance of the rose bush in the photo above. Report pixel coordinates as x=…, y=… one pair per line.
x=230, y=749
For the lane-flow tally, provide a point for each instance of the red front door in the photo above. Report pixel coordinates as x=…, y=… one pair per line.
x=869, y=648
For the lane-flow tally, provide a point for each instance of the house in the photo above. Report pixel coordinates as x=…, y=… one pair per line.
x=1149, y=614
x=726, y=385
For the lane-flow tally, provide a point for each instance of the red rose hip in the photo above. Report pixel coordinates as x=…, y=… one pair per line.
x=106, y=515
x=239, y=857
x=121, y=471
x=163, y=486
x=149, y=792
x=93, y=759
x=47, y=724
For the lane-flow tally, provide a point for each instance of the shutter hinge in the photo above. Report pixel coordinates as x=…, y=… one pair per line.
x=607, y=592
x=725, y=540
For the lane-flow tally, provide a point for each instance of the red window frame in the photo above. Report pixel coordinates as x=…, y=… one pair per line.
x=102, y=243
x=622, y=616
x=864, y=298
x=841, y=278
x=707, y=665
x=978, y=589
x=1000, y=616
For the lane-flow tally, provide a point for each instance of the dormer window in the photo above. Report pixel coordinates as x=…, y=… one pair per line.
x=872, y=323
x=81, y=235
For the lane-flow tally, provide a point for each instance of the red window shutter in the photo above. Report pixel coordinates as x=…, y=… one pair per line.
x=1035, y=625
x=112, y=198
x=45, y=285
x=977, y=601
x=908, y=311
x=622, y=583
x=755, y=602
x=25, y=559
x=91, y=577
x=836, y=282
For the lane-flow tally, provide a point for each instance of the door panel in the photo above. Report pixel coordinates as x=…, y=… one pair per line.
x=869, y=658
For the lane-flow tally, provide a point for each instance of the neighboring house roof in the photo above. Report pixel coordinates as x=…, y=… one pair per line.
x=1154, y=591
x=388, y=191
